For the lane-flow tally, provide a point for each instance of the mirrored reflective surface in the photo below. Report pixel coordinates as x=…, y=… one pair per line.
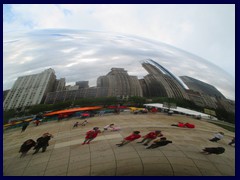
x=85, y=55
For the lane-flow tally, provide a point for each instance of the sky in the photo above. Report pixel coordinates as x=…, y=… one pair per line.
x=207, y=31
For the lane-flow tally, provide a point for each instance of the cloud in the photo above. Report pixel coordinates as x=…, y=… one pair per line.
x=93, y=54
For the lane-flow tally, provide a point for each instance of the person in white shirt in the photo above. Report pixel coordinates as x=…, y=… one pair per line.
x=217, y=137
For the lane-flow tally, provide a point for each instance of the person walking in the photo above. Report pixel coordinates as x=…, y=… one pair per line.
x=26, y=146
x=84, y=123
x=232, y=142
x=42, y=142
x=37, y=122
x=130, y=138
x=150, y=136
x=90, y=135
x=24, y=126
x=75, y=124
x=162, y=142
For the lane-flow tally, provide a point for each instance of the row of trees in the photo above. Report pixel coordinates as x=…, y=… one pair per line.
x=106, y=101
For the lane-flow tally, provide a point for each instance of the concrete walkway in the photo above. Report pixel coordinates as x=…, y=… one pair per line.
x=67, y=157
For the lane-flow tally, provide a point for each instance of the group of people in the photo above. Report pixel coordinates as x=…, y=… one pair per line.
x=76, y=124
x=42, y=142
x=92, y=134
x=146, y=139
x=217, y=150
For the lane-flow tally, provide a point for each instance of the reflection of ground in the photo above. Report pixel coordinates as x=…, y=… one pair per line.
x=66, y=155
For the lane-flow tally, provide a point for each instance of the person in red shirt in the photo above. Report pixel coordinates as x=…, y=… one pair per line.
x=128, y=139
x=180, y=124
x=188, y=125
x=90, y=135
x=150, y=136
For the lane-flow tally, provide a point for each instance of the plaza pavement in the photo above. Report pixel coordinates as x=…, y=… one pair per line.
x=65, y=156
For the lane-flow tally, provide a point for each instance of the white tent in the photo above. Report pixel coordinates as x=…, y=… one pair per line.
x=181, y=110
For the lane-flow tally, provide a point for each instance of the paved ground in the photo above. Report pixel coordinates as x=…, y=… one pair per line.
x=67, y=157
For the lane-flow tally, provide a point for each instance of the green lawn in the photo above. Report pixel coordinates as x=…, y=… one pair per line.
x=232, y=129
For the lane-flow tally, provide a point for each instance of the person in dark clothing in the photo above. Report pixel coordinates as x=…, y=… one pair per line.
x=162, y=142
x=75, y=124
x=26, y=146
x=42, y=142
x=232, y=142
x=213, y=150
x=24, y=126
x=150, y=136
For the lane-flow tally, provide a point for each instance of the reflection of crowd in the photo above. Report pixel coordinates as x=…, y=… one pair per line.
x=151, y=140
x=41, y=143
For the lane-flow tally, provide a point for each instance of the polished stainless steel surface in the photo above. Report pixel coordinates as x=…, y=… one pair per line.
x=85, y=55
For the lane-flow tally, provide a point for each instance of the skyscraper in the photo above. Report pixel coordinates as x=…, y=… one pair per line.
x=161, y=82
x=82, y=84
x=30, y=90
x=119, y=83
x=201, y=87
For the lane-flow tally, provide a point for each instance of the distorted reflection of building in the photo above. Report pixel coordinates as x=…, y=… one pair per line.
x=161, y=83
x=71, y=88
x=5, y=94
x=71, y=95
x=82, y=84
x=45, y=88
x=201, y=87
x=30, y=90
x=119, y=83
x=60, y=84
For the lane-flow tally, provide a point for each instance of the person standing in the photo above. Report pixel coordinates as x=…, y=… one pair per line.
x=90, y=135
x=26, y=146
x=150, y=136
x=42, y=142
x=130, y=138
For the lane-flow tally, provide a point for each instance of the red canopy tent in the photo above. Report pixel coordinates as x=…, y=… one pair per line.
x=72, y=110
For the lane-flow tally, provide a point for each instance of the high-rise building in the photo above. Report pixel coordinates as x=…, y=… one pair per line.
x=30, y=90
x=161, y=82
x=82, y=84
x=72, y=95
x=60, y=84
x=201, y=87
x=71, y=88
x=120, y=84
x=5, y=94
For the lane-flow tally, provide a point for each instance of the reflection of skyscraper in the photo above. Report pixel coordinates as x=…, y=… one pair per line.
x=82, y=84
x=160, y=82
x=201, y=87
x=30, y=90
x=60, y=84
x=119, y=83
